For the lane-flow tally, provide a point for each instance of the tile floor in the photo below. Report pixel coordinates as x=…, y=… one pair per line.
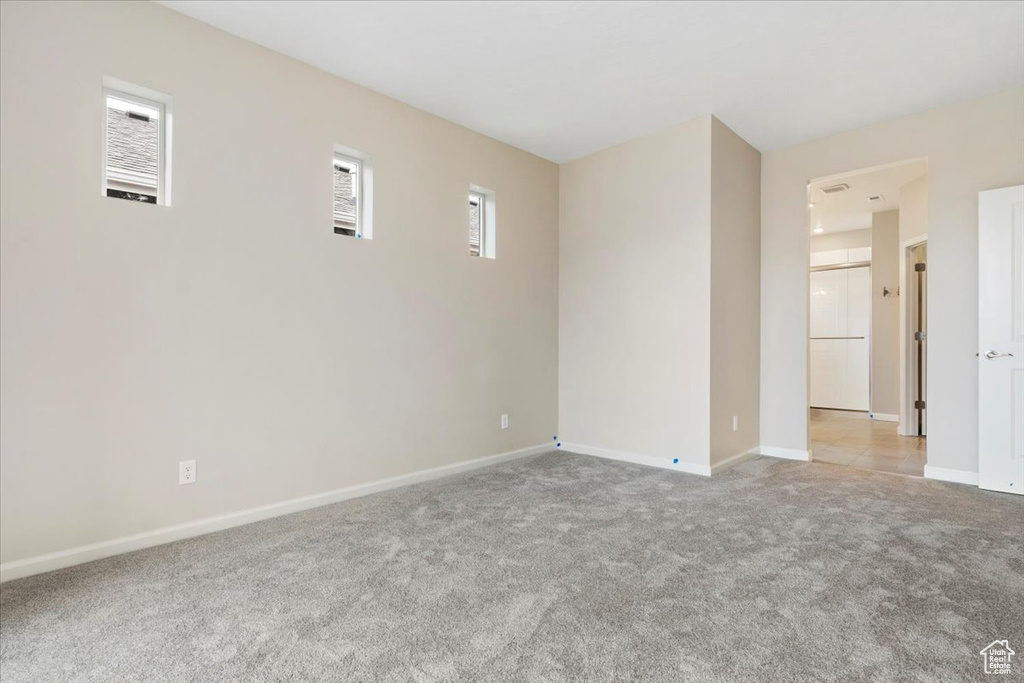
x=852, y=439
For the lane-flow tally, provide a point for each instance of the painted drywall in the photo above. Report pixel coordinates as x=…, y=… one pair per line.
x=735, y=293
x=659, y=297
x=914, y=210
x=634, y=303
x=970, y=146
x=847, y=239
x=235, y=327
x=885, y=313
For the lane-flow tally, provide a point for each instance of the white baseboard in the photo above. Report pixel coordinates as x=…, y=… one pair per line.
x=884, y=417
x=97, y=551
x=734, y=460
x=787, y=453
x=957, y=476
x=649, y=460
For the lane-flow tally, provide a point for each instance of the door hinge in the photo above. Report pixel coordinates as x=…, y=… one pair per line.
x=919, y=336
x=919, y=267
x=919, y=405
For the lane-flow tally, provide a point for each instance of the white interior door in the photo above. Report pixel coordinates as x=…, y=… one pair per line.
x=1001, y=340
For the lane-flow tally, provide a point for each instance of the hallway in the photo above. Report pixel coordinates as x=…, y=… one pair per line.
x=851, y=438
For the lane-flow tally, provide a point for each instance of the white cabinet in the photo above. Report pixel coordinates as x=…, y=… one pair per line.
x=840, y=332
x=829, y=258
x=859, y=255
x=834, y=257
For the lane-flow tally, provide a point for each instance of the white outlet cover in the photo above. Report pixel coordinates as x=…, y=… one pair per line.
x=504, y=421
x=187, y=472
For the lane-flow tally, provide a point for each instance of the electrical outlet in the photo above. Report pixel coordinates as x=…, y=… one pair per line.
x=735, y=422
x=504, y=421
x=187, y=472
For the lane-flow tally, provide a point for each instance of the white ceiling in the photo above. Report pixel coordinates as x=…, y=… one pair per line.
x=851, y=210
x=564, y=79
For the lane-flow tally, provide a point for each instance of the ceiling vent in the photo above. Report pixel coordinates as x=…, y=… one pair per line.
x=832, y=189
x=875, y=198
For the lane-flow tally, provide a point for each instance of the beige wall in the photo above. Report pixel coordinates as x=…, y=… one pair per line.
x=914, y=209
x=658, y=297
x=970, y=146
x=234, y=327
x=847, y=239
x=735, y=292
x=885, y=313
x=634, y=274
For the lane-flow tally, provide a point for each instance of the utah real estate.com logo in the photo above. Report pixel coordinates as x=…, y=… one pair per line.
x=997, y=657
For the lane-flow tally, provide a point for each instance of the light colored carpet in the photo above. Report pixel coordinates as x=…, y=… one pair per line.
x=555, y=568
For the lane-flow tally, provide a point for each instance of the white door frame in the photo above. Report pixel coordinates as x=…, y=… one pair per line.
x=908, y=416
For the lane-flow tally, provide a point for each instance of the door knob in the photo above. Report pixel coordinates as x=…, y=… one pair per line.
x=996, y=354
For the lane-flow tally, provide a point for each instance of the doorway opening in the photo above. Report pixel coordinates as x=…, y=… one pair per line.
x=868, y=235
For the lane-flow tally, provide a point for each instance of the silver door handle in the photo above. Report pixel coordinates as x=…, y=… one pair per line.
x=997, y=354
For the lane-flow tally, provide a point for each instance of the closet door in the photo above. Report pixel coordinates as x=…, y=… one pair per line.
x=828, y=304
x=857, y=384
x=840, y=338
x=827, y=343
x=828, y=373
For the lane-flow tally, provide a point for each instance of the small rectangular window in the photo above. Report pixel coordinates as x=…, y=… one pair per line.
x=135, y=157
x=347, y=180
x=477, y=204
x=353, y=193
x=481, y=222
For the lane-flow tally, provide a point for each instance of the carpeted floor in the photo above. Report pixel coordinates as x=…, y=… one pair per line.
x=556, y=568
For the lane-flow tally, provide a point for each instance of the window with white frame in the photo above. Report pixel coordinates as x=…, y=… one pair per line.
x=347, y=186
x=353, y=193
x=477, y=205
x=481, y=222
x=135, y=147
